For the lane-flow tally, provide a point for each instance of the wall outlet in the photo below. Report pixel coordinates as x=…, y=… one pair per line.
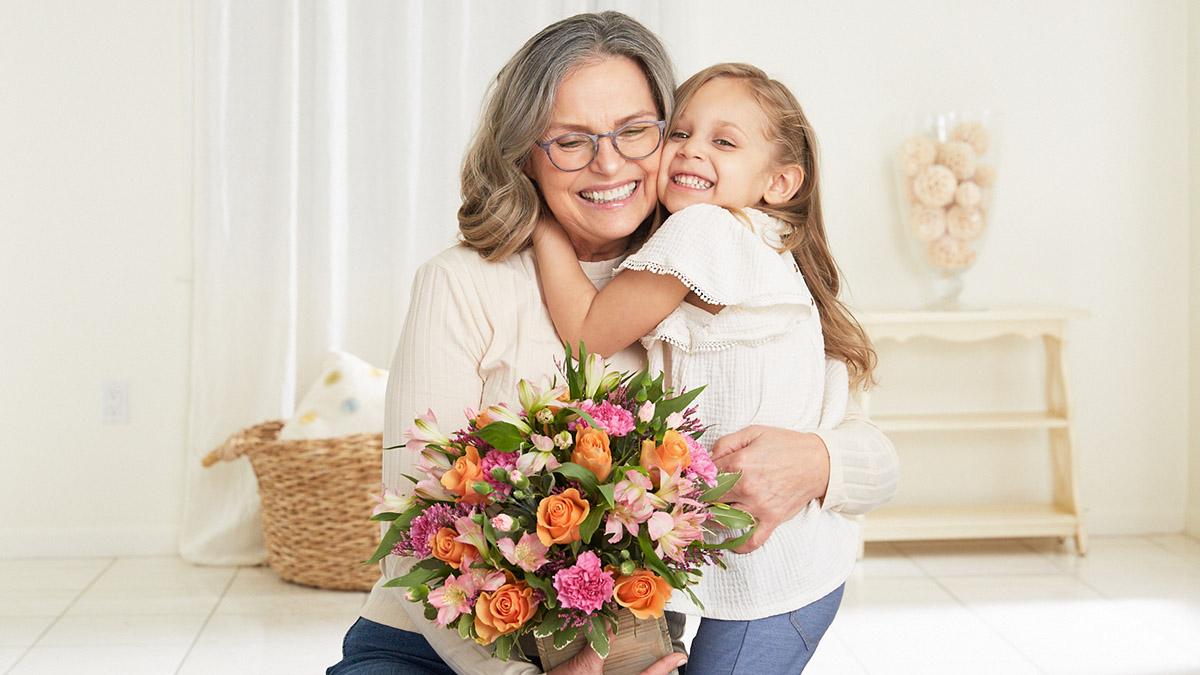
x=114, y=402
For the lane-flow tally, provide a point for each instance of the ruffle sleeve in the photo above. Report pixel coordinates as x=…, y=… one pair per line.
x=727, y=262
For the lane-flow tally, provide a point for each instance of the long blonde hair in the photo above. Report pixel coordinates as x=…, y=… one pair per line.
x=500, y=204
x=796, y=143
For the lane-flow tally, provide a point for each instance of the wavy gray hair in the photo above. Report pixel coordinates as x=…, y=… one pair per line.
x=500, y=204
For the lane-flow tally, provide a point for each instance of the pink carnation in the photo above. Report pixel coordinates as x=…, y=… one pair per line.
x=584, y=586
x=424, y=526
x=493, y=459
x=702, y=466
x=613, y=419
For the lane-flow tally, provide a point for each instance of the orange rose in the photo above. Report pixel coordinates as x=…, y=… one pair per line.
x=643, y=592
x=461, y=478
x=671, y=456
x=592, y=453
x=449, y=551
x=559, y=516
x=503, y=611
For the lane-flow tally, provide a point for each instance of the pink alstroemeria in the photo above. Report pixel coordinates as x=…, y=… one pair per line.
x=529, y=553
x=392, y=502
x=646, y=412
x=470, y=533
x=533, y=398
x=425, y=432
x=540, y=458
x=675, y=531
x=632, y=506
x=455, y=597
x=432, y=490
x=672, y=488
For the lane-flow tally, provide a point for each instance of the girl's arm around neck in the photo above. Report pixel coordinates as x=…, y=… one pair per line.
x=606, y=321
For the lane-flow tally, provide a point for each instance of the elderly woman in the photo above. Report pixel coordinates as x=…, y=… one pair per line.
x=477, y=323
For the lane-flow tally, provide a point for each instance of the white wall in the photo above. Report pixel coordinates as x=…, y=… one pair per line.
x=1194, y=146
x=94, y=209
x=1093, y=213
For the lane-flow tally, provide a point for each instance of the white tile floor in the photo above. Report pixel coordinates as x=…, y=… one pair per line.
x=1131, y=607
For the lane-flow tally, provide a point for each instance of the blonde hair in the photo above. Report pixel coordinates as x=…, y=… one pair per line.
x=796, y=143
x=500, y=204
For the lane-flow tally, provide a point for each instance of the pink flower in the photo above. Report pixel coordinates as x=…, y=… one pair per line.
x=392, y=502
x=674, y=420
x=470, y=533
x=425, y=431
x=529, y=553
x=502, y=523
x=584, y=586
x=632, y=506
x=646, y=412
x=675, y=531
x=457, y=595
x=507, y=460
x=702, y=466
x=615, y=420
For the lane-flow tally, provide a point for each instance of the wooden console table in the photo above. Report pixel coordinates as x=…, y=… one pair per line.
x=1058, y=518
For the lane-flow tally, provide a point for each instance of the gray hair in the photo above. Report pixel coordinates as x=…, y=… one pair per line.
x=500, y=204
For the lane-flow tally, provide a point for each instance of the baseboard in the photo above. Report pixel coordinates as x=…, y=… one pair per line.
x=1193, y=522
x=1128, y=522
x=87, y=541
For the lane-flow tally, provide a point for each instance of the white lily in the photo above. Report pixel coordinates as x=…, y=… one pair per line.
x=501, y=413
x=425, y=432
x=593, y=374
x=533, y=398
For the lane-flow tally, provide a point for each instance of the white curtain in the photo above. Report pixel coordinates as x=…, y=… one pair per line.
x=327, y=142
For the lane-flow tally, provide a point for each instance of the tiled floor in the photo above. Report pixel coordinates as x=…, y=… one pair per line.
x=1132, y=606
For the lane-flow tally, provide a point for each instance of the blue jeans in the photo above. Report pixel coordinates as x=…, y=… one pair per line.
x=777, y=644
x=375, y=649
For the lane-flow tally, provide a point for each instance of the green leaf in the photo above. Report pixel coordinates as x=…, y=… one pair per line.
x=597, y=637
x=464, y=626
x=545, y=587
x=588, y=527
x=586, y=418
x=422, y=572
x=504, y=645
x=549, y=625
x=563, y=637
x=734, y=519
x=501, y=436
x=386, y=516
x=724, y=482
x=430, y=612
x=606, y=491
x=677, y=404
x=692, y=595
x=578, y=473
x=729, y=544
x=386, y=544
x=651, y=559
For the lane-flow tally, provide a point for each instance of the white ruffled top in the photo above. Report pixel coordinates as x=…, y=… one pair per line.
x=762, y=361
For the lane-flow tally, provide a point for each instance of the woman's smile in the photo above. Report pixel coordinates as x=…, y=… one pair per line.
x=611, y=195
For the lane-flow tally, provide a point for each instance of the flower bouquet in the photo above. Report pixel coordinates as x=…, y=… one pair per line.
x=561, y=519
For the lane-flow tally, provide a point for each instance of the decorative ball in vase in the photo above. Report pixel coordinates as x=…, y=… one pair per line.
x=946, y=172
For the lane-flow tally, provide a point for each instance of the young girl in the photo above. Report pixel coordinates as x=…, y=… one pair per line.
x=719, y=293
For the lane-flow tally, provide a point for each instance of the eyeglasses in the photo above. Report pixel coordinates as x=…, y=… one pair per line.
x=575, y=151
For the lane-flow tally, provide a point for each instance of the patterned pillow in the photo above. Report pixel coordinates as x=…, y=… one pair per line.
x=346, y=399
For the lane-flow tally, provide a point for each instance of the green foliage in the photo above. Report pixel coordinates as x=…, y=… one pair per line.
x=501, y=436
x=388, y=542
x=421, y=573
x=597, y=637
x=725, y=481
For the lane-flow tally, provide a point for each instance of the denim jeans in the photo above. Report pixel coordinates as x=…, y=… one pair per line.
x=775, y=645
x=375, y=649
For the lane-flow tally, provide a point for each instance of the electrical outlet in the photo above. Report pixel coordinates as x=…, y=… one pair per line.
x=114, y=402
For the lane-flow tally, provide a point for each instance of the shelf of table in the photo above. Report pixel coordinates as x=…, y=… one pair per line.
x=970, y=421
x=976, y=521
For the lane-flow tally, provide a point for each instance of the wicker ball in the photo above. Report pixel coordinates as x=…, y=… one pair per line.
x=948, y=253
x=965, y=224
x=927, y=222
x=920, y=150
x=973, y=134
x=935, y=185
x=958, y=157
x=968, y=195
x=985, y=175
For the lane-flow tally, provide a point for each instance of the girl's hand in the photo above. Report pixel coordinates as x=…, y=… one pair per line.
x=548, y=231
x=771, y=489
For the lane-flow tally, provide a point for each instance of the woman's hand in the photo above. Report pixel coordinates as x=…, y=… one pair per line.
x=587, y=662
x=782, y=471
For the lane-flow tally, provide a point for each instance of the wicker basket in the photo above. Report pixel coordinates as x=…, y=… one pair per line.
x=315, y=503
